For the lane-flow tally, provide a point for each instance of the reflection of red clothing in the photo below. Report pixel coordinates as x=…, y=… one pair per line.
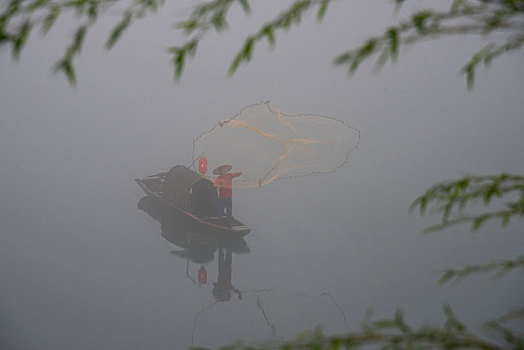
x=225, y=183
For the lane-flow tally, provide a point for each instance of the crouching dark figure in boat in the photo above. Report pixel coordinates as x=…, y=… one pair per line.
x=224, y=183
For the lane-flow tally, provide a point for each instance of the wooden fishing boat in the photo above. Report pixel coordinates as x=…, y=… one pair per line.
x=191, y=197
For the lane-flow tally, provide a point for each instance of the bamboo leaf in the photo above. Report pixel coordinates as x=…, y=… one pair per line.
x=322, y=10
x=381, y=61
x=342, y=58
x=245, y=6
x=336, y=343
x=367, y=48
x=219, y=22
x=78, y=39
x=452, y=321
x=470, y=76
x=353, y=67
x=420, y=19
x=191, y=47
x=447, y=276
x=478, y=222
x=50, y=19
x=392, y=35
x=236, y=62
x=92, y=11
x=268, y=32
x=188, y=26
x=21, y=39
x=35, y=5
x=118, y=30
x=65, y=66
x=399, y=322
x=179, y=61
x=247, y=52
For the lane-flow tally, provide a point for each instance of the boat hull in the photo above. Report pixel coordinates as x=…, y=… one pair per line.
x=232, y=228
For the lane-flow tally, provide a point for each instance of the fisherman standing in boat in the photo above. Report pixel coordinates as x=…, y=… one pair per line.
x=224, y=183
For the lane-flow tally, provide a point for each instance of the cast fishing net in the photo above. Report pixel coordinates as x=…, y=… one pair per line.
x=266, y=144
x=267, y=318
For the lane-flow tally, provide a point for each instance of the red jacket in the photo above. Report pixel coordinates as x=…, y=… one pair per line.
x=225, y=184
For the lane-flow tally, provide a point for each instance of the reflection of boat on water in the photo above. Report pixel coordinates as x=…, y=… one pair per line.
x=185, y=235
x=199, y=247
x=185, y=193
x=254, y=314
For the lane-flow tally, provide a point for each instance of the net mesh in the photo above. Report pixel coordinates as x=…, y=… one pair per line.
x=266, y=145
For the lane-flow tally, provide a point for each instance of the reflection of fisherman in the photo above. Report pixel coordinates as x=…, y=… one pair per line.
x=223, y=286
x=224, y=182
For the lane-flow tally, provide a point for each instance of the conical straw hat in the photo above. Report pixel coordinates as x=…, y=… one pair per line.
x=222, y=169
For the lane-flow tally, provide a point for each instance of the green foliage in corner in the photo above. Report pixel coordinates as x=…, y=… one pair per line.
x=19, y=18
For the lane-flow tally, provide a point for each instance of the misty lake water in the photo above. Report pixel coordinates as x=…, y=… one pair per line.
x=87, y=263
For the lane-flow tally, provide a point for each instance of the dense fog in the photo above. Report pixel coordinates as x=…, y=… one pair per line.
x=85, y=266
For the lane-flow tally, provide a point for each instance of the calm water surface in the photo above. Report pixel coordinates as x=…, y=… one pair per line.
x=88, y=263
